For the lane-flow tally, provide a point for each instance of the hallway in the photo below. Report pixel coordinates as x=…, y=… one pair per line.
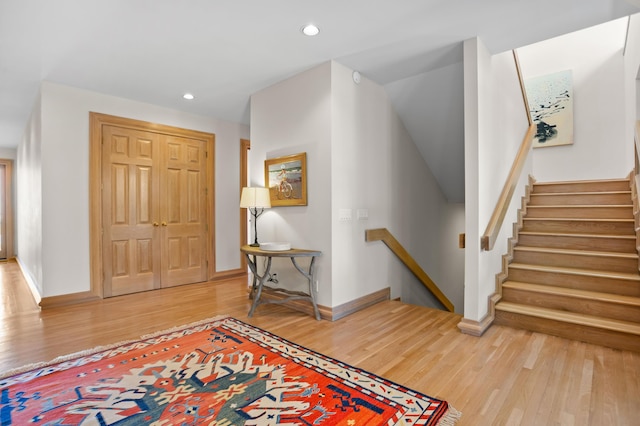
x=507, y=376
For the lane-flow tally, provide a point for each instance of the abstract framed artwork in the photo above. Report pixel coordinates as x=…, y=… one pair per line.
x=551, y=105
x=286, y=178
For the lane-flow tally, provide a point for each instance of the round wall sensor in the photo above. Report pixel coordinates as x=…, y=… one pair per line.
x=356, y=77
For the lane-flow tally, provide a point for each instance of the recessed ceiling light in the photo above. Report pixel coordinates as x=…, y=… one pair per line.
x=188, y=96
x=310, y=30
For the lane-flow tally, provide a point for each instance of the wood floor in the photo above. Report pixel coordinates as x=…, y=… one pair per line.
x=506, y=377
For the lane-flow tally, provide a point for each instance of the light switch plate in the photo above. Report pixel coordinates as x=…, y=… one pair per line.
x=345, y=215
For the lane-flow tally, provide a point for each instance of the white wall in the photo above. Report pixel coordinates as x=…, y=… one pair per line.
x=637, y=103
x=495, y=124
x=8, y=153
x=64, y=176
x=474, y=54
x=287, y=118
x=602, y=144
x=432, y=109
x=452, y=257
x=360, y=157
x=377, y=167
x=28, y=222
x=631, y=74
x=451, y=268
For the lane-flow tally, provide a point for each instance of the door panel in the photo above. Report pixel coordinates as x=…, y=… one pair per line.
x=183, y=209
x=144, y=198
x=131, y=248
x=154, y=210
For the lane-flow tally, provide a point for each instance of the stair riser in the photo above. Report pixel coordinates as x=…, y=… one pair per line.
x=595, y=212
x=582, y=282
x=582, y=227
x=605, y=186
x=579, y=243
x=596, y=336
x=593, y=263
x=572, y=304
x=580, y=199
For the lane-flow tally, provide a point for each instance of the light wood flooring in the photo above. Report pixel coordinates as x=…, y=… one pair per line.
x=506, y=377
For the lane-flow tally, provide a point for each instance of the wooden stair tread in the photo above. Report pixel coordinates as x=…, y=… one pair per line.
x=585, y=297
x=577, y=271
x=565, y=234
x=554, y=194
x=595, y=181
x=570, y=317
x=577, y=252
x=582, y=206
x=575, y=293
x=577, y=219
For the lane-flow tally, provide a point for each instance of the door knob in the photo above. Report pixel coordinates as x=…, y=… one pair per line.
x=164, y=223
x=155, y=223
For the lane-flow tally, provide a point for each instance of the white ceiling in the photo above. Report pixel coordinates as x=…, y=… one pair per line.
x=223, y=51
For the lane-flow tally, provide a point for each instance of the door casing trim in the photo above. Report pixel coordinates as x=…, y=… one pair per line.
x=8, y=202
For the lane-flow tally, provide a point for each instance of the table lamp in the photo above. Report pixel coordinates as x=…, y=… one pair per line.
x=253, y=199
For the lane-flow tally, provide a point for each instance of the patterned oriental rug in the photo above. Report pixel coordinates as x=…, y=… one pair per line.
x=217, y=372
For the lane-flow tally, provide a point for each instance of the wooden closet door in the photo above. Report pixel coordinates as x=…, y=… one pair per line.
x=183, y=211
x=130, y=211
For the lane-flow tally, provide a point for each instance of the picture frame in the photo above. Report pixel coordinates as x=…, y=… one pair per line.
x=550, y=100
x=286, y=178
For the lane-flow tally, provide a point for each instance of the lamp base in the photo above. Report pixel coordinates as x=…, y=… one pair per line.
x=254, y=245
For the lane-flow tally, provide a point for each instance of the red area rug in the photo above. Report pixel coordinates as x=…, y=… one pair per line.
x=217, y=372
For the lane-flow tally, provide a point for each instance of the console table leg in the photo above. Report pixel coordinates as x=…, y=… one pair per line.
x=310, y=276
x=256, y=298
x=312, y=280
x=253, y=265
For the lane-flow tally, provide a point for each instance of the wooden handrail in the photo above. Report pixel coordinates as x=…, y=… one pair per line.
x=522, y=88
x=382, y=234
x=488, y=239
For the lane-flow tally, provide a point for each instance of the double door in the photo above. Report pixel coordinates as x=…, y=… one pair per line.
x=153, y=210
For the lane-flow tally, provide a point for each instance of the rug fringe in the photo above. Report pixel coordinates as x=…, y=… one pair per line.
x=180, y=327
x=451, y=418
x=94, y=350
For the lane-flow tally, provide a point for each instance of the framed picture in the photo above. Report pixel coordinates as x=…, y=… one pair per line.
x=551, y=105
x=286, y=178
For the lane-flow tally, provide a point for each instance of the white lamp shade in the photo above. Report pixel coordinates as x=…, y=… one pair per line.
x=255, y=197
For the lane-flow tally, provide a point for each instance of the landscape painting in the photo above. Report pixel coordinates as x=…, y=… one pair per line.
x=551, y=105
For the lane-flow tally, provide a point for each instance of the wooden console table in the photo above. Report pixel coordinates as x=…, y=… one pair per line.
x=252, y=253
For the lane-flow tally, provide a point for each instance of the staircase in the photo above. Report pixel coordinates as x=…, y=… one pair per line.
x=574, y=268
